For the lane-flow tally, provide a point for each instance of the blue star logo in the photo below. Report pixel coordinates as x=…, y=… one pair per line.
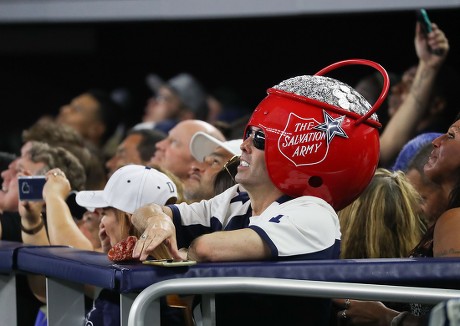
x=332, y=127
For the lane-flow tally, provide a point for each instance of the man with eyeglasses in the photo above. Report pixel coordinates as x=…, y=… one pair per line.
x=211, y=155
x=282, y=207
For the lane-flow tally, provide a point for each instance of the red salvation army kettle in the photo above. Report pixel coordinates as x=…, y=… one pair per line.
x=321, y=135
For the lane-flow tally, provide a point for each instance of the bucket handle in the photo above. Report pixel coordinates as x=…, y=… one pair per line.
x=383, y=72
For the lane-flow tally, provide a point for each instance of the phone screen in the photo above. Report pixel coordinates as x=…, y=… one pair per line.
x=31, y=187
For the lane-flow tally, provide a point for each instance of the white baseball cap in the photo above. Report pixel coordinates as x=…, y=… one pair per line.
x=202, y=144
x=129, y=188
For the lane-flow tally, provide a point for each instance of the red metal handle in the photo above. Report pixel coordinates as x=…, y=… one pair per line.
x=386, y=81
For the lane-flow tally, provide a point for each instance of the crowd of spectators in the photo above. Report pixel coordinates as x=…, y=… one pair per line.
x=224, y=203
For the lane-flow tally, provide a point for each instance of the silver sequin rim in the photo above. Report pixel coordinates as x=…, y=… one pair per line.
x=327, y=90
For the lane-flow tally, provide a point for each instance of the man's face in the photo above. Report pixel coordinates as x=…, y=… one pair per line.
x=166, y=105
x=80, y=114
x=126, y=153
x=444, y=161
x=173, y=153
x=252, y=171
x=200, y=183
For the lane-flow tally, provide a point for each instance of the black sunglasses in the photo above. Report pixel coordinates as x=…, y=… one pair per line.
x=258, y=138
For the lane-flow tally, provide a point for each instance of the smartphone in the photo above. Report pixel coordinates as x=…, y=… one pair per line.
x=425, y=23
x=422, y=17
x=169, y=262
x=31, y=187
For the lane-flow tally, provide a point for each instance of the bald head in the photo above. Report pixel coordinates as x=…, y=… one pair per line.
x=200, y=125
x=173, y=153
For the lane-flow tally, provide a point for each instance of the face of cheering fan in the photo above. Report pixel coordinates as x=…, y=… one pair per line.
x=113, y=227
x=200, y=183
x=444, y=161
x=173, y=153
x=252, y=171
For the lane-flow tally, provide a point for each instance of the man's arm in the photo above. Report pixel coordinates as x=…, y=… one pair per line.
x=58, y=223
x=446, y=242
x=236, y=245
x=30, y=219
x=402, y=125
x=62, y=229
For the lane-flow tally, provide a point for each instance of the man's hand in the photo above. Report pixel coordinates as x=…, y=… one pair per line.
x=57, y=185
x=364, y=312
x=431, y=49
x=158, y=238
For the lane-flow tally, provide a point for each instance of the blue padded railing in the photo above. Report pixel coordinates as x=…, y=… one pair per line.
x=440, y=276
x=8, y=250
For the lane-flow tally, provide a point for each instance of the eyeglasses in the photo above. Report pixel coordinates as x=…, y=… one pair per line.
x=230, y=162
x=258, y=138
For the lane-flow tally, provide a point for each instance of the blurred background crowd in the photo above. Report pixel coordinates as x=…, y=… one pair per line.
x=46, y=64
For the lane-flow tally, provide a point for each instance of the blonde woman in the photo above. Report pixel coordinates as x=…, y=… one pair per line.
x=386, y=221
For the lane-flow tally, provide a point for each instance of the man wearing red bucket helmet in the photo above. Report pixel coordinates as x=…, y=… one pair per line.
x=289, y=185
x=321, y=136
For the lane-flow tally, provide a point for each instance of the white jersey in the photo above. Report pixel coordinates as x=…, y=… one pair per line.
x=298, y=228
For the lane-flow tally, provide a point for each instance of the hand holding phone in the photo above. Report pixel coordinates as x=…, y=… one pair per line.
x=31, y=187
x=425, y=24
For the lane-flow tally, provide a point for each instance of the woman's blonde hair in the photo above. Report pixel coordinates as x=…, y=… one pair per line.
x=124, y=220
x=386, y=221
